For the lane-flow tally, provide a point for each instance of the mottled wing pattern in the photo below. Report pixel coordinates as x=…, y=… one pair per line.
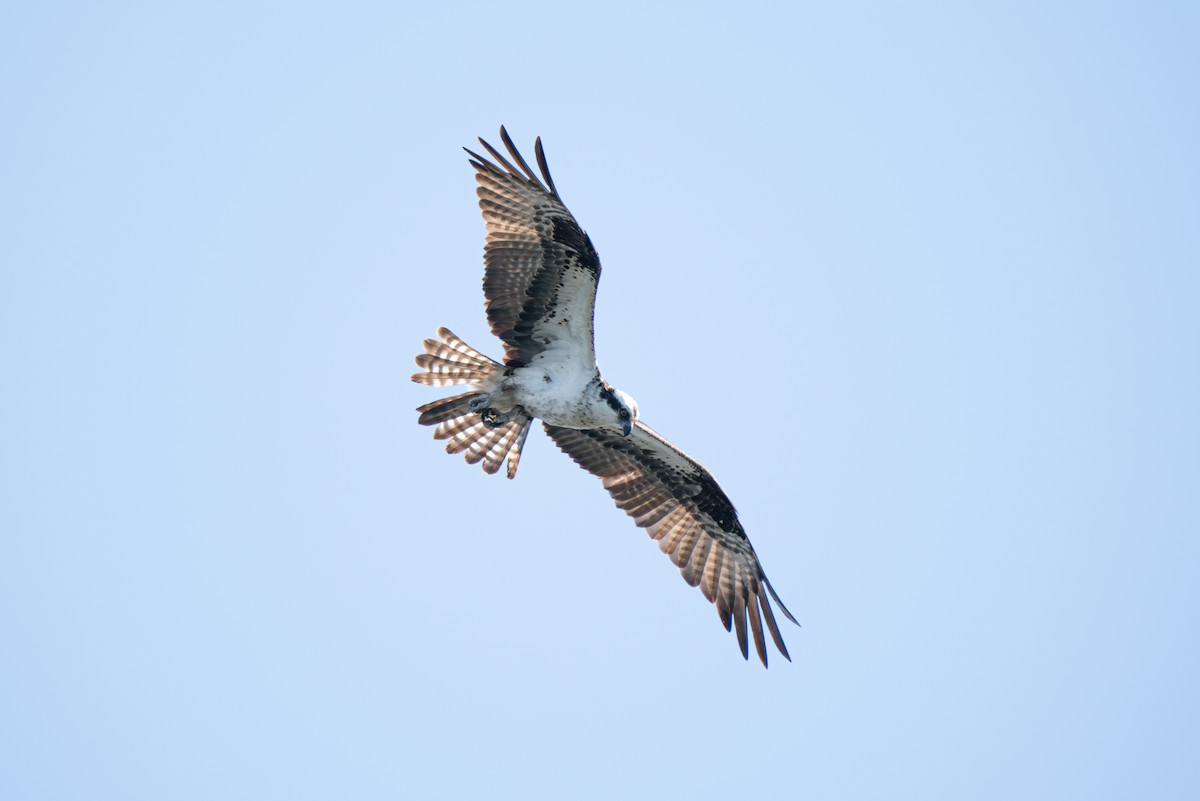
x=540, y=267
x=679, y=504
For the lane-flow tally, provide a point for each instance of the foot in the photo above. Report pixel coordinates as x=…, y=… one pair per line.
x=494, y=419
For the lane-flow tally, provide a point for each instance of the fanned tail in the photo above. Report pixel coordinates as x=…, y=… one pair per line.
x=452, y=361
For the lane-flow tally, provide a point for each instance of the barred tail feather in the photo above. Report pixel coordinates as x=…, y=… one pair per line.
x=452, y=361
x=445, y=409
x=468, y=434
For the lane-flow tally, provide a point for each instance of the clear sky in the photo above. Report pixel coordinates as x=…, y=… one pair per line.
x=919, y=283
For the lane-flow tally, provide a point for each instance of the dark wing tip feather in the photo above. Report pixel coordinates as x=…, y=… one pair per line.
x=479, y=162
x=782, y=608
x=516, y=154
x=522, y=169
x=541, y=160
x=760, y=643
x=724, y=612
x=739, y=623
x=772, y=626
x=496, y=155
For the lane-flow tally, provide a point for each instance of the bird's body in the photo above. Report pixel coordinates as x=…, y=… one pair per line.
x=540, y=289
x=555, y=390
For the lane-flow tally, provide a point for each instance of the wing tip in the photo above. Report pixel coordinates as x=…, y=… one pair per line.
x=775, y=596
x=540, y=155
x=522, y=169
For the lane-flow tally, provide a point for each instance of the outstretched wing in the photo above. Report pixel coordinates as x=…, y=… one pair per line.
x=541, y=269
x=679, y=503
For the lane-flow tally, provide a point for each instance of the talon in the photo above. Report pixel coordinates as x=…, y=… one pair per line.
x=494, y=419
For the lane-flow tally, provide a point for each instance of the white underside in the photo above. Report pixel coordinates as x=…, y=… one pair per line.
x=557, y=388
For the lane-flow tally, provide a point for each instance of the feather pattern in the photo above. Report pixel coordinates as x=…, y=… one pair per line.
x=532, y=242
x=449, y=360
x=680, y=504
x=467, y=434
x=540, y=278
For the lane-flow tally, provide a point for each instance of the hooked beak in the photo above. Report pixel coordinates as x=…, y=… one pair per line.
x=627, y=427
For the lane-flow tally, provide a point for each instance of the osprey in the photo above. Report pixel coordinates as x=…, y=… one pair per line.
x=540, y=288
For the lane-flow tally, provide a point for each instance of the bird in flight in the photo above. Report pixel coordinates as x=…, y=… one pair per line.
x=539, y=286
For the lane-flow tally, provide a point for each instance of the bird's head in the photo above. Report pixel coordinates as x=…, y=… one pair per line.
x=623, y=407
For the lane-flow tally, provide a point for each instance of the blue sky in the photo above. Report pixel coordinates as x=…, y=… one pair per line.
x=919, y=283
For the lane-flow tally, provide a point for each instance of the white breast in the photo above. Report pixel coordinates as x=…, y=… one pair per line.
x=557, y=392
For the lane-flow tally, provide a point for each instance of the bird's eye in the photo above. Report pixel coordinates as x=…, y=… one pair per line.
x=623, y=414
